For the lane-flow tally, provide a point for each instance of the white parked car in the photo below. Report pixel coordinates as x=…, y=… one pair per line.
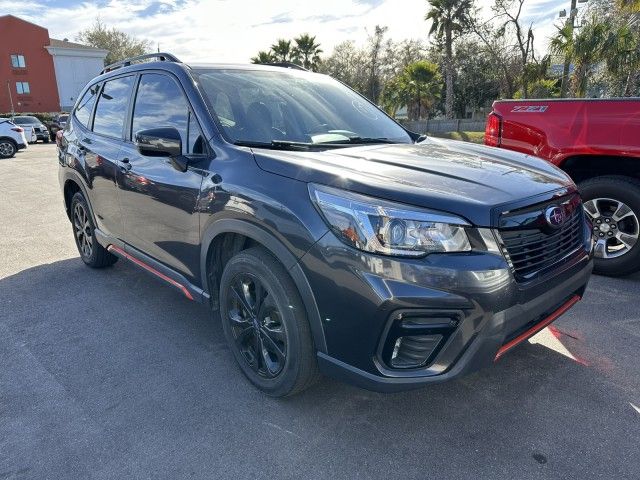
x=12, y=138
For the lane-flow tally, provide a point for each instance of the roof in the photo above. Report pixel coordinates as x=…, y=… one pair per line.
x=67, y=44
x=13, y=17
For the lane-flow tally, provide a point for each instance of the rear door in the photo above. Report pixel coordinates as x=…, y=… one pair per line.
x=159, y=202
x=97, y=143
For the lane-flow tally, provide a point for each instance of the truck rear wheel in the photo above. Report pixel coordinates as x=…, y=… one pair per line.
x=613, y=204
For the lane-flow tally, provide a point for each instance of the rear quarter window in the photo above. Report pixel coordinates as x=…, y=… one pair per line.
x=85, y=106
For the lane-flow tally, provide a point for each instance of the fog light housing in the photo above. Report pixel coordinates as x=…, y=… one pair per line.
x=413, y=338
x=414, y=351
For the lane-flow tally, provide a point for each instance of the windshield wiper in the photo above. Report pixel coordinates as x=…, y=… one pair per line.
x=284, y=145
x=360, y=141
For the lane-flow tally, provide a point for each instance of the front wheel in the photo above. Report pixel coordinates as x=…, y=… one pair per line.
x=265, y=324
x=613, y=205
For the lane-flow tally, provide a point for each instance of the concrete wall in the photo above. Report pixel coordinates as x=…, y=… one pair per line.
x=74, y=68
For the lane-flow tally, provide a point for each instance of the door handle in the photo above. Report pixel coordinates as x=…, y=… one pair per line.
x=126, y=165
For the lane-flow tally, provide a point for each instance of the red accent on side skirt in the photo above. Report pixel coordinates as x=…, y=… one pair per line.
x=150, y=269
x=538, y=326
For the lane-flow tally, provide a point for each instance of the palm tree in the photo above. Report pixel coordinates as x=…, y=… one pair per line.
x=282, y=51
x=307, y=51
x=586, y=51
x=631, y=6
x=448, y=18
x=417, y=88
x=562, y=45
x=263, y=57
x=621, y=54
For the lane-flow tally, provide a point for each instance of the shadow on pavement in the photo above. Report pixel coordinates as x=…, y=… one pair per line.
x=109, y=374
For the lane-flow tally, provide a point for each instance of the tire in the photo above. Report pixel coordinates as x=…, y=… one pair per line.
x=8, y=148
x=91, y=252
x=46, y=140
x=615, y=227
x=276, y=323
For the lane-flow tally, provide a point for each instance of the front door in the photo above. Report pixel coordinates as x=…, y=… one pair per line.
x=157, y=200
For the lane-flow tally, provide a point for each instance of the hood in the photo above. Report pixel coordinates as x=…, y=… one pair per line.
x=471, y=181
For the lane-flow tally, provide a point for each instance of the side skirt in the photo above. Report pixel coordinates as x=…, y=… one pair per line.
x=152, y=266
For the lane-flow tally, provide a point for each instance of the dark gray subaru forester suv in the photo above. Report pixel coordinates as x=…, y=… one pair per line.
x=325, y=235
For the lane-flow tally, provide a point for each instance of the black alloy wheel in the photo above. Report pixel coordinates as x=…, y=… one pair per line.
x=91, y=252
x=265, y=324
x=82, y=230
x=256, y=324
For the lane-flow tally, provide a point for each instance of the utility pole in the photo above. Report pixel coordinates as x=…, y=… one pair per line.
x=564, y=86
x=13, y=113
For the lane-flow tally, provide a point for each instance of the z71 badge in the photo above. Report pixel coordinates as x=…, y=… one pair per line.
x=530, y=108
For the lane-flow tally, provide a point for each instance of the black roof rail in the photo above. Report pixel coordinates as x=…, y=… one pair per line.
x=163, y=57
x=293, y=66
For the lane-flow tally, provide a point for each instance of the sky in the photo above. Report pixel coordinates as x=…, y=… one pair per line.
x=234, y=30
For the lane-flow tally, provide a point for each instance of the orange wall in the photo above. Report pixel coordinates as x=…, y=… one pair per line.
x=24, y=38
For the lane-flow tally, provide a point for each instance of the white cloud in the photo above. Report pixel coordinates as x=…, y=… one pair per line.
x=234, y=30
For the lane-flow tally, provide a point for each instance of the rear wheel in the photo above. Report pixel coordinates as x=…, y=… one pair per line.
x=91, y=252
x=613, y=206
x=8, y=148
x=265, y=324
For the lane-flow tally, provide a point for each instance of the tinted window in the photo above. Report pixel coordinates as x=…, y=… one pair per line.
x=160, y=103
x=85, y=106
x=262, y=106
x=112, y=107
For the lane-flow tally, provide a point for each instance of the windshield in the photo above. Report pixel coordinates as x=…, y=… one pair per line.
x=63, y=118
x=26, y=120
x=289, y=106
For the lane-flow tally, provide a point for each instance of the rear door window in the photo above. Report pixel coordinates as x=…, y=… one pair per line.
x=113, y=103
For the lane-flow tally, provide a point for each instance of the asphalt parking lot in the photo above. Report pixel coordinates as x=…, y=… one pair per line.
x=110, y=374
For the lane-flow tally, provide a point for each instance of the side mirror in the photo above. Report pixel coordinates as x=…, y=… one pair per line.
x=159, y=142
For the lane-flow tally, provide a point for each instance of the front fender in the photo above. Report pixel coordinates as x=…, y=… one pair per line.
x=277, y=249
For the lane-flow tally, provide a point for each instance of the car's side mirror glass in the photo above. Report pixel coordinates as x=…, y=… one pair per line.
x=159, y=142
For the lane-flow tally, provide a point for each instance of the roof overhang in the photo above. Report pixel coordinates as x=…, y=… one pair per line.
x=77, y=52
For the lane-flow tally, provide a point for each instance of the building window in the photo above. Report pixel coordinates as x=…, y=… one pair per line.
x=23, y=88
x=17, y=61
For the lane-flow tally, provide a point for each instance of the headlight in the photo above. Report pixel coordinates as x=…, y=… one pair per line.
x=379, y=226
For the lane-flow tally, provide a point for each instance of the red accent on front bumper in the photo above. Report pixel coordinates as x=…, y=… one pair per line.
x=150, y=269
x=538, y=326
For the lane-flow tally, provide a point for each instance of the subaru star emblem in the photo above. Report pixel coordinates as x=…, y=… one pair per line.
x=555, y=216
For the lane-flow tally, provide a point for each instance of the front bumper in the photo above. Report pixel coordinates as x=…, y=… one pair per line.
x=362, y=299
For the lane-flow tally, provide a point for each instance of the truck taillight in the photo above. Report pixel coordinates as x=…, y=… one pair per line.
x=493, y=130
x=18, y=129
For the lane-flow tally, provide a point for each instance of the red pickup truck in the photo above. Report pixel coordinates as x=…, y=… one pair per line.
x=597, y=142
